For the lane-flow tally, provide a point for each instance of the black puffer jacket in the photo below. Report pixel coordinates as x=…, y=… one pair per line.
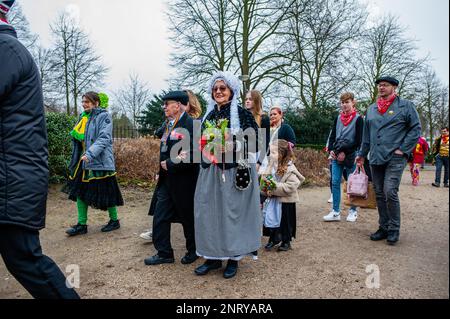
x=23, y=136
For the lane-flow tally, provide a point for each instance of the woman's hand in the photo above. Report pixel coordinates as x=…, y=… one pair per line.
x=85, y=159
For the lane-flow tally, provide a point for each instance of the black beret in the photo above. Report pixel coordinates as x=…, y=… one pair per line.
x=388, y=79
x=178, y=96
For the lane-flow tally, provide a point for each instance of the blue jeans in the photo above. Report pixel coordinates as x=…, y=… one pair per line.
x=336, y=175
x=441, y=161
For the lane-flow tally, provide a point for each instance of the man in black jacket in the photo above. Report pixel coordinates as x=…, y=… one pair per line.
x=174, y=195
x=24, y=170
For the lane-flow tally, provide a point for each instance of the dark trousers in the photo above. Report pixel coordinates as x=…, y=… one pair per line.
x=386, y=182
x=21, y=251
x=163, y=217
x=288, y=225
x=441, y=161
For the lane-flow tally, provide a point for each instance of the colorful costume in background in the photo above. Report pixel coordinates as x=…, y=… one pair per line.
x=417, y=158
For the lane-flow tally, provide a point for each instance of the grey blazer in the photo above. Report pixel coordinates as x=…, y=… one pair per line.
x=399, y=128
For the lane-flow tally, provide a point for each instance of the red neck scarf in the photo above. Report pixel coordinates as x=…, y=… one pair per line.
x=383, y=105
x=348, y=118
x=445, y=139
x=4, y=20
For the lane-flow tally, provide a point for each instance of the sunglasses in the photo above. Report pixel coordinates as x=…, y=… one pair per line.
x=221, y=88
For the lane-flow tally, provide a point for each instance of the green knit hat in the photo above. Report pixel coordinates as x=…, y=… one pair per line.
x=104, y=100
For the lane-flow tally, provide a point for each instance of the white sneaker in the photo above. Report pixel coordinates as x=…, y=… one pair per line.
x=332, y=217
x=352, y=215
x=146, y=235
x=330, y=201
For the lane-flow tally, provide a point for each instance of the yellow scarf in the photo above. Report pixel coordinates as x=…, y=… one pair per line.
x=79, y=129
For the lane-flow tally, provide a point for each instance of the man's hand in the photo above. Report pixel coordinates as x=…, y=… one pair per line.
x=359, y=161
x=333, y=155
x=164, y=165
x=398, y=152
x=85, y=159
x=341, y=157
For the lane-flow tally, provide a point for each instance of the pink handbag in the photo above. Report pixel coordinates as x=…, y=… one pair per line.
x=358, y=183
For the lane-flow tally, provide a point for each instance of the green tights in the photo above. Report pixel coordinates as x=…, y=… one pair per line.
x=83, y=209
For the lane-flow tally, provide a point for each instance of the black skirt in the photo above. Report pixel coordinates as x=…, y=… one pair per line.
x=100, y=193
x=288, y=225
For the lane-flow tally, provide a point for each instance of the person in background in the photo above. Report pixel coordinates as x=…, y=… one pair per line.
x=417, y=158
x=254, y=104
x=344, y=142
x=440, y=152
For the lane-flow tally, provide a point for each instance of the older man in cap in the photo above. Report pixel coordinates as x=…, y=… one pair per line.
x=174, y=201
x=391, y=130
x=24, y=170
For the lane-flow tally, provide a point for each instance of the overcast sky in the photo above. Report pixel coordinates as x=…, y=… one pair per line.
x=132, y=35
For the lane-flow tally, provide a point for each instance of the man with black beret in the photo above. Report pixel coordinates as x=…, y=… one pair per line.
x=24, y=169
x=173, y=199
x=391, y=130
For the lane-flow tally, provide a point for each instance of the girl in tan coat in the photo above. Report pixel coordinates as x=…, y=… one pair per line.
x=280, y=180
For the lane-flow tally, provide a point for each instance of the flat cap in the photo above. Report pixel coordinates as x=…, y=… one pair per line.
x=388, y=79
x=178, y=96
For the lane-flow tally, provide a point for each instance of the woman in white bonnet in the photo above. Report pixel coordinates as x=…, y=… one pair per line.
x=227, y=220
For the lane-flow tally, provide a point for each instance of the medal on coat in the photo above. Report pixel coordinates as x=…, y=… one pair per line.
x=169, y=128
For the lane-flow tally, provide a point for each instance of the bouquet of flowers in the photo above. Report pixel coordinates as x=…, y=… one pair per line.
x=267, y=183
x=212, y=142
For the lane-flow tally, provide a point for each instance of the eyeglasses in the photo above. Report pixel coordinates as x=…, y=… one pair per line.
x=221, y=88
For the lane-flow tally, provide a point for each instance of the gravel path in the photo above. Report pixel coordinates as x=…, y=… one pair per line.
x=327, y=260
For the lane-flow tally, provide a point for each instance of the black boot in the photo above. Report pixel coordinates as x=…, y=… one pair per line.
x=285, y=246
x=380, y=234
x=112, y=225
x=231, y=269
x=271, y=244
x=77, y=230
x=393, y=237
x=207, y=266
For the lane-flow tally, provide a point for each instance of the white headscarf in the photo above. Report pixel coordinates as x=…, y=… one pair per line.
x=234, y=84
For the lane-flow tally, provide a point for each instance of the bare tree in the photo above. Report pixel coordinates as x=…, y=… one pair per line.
x=257, y=48
x=202, y=39
x=20, y=23
x=442, y=109
x=385, y=50
x=321, y=38
x=75, y=61
x=133, y=97
x=45, y=61
x=237, y=35
x=430, y=96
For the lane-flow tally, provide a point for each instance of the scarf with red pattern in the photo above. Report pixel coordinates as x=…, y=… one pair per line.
x=444, y=139
x=3, y=21
x=348, y=118
x=383, y=105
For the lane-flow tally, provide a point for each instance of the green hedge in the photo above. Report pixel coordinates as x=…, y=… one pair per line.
x=59, y=126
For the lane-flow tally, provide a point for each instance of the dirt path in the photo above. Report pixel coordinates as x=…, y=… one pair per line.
x=327, y=260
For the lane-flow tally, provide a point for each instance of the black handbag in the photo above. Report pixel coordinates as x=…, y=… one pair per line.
x=243, y=178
